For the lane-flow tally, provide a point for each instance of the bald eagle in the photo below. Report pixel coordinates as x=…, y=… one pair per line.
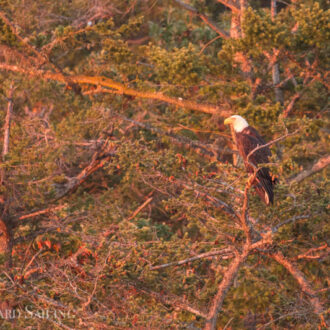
x=248, y=139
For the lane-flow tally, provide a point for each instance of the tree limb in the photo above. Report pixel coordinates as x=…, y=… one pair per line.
x=232, y=4
x=304, y=284
x=10, y=106
x=228, y=279
x=226, y=253
x=171, y=300
x=116, y=87
x=140, y=208
x=269, y=143
x=40, y=212
x=204, y=18
x=318, y=166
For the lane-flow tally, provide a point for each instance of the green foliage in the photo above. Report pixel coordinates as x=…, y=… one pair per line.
x=159, y=198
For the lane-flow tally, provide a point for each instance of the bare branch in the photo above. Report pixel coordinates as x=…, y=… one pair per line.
x=228, y=278
x=307, y=255
x=225, y=254
x=99, y=159
x=270, y=143
x=318, y=166
x=293, y=101
x=140, y=208
x=10, y=106
x=204, y=18
x=171, y=300
x=40, y=212
x=304, y=284
x=293, y=219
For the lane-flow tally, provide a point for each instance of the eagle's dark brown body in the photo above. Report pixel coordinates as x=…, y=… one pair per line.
x=247, y=140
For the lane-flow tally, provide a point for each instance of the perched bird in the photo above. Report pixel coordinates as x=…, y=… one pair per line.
x=247, y=139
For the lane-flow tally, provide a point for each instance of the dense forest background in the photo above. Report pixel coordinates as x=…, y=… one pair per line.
x=123, y=200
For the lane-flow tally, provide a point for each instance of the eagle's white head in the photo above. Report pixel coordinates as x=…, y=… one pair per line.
x=238, y=122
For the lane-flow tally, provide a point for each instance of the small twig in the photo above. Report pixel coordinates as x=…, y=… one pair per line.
x=208, y=44
x=140, y=208
x=270, y=143
x=228, y=253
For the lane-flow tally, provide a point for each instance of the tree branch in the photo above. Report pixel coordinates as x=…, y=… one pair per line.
x=293, y=219
x=227, y=253
x=140, y=208
x=228, y=279
x=304, y=284
x=232, y=4
x=204, y=18
x=116, y=87
x=270, y=143
x=10, y=106
x=99, y=159
x=202, y=149
x=171, y=300
x=318, y=166
x=40, y=212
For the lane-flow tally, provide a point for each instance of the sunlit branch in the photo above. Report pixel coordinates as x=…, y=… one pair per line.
x=171, y=300
x=223, y=253
x=117, y=88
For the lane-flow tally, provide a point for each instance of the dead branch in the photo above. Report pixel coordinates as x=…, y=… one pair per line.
x=307, y=255
x=318, y=166
x=99, y=159
x=224, y=253
x=10, y=106
x=116, y=87
x=171, y=300
x=204, y=18
x=40, y=212
x=39, y=55
x=290, y=220
x=304, y=284
x=140, y=208
x=293, y=101
x=228, y=278
x=215, y=201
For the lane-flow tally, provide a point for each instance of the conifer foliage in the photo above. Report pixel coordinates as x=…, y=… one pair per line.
x=123, y=200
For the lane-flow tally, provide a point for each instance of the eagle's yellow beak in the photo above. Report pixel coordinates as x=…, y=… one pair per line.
x=228, y=121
